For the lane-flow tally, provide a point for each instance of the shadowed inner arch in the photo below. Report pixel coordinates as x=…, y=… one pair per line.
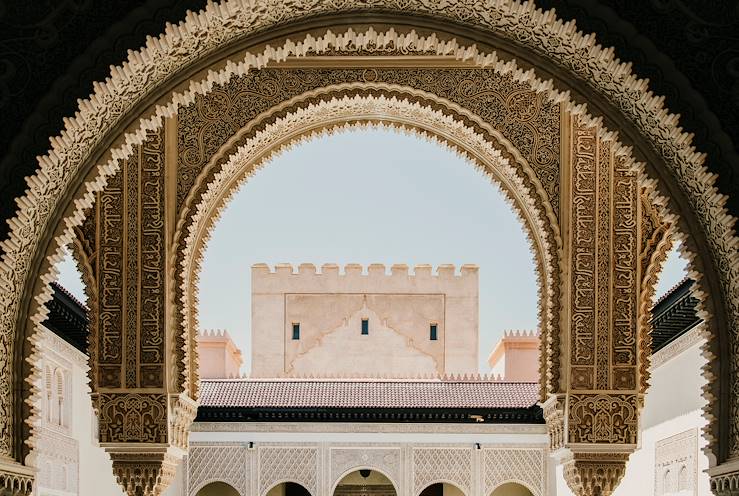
x=348, y=113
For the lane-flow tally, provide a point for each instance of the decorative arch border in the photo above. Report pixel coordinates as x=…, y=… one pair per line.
x=442, y=481
x=284, y=481
x=223, y=24
x=335, y=483
x=400, y=108
x=202, y=484
x=534, y=491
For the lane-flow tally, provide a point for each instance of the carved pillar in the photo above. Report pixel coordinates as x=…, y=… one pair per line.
x=143, y=418
x=593, y=422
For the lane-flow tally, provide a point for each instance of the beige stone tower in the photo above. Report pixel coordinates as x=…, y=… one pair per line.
x=357, y=324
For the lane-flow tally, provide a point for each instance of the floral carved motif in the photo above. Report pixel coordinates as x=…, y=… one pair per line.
x=387, y=460
x=140, y=418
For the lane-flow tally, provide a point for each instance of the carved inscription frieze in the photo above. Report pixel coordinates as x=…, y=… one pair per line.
x=128, y=327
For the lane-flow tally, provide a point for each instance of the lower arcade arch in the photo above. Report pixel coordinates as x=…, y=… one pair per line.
x=217, y=488
x=512, y=489
x=442, y=488
x=710, y=213
x=364, y=481
x=287, y=488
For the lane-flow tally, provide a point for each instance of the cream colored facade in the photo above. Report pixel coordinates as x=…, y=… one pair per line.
x=516, y=357
x=218, y=356
x=330, y=308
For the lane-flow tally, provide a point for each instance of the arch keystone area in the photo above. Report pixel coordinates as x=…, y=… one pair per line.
x=147, y=404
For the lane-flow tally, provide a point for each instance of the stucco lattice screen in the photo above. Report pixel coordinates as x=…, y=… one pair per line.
x=282, y=464
x=442, y=464
x=207, y=464
x=501, y=465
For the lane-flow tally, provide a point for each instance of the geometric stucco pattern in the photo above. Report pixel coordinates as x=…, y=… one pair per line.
x=432, y=465
x=288, y=464
x=147, y=72
x=206, y=464
x=526, y=466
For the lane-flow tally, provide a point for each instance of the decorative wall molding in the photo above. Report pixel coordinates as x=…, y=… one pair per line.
x=694, y=336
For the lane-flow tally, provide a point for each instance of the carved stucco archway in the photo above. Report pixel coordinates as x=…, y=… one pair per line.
x=327, y=111
x=36, y=231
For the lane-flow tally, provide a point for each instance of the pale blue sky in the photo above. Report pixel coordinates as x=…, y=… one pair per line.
x=371, y=196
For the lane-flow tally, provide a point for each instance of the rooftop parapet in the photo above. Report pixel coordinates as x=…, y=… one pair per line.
x=374, y=278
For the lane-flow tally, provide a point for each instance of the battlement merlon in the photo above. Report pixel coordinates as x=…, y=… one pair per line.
x=375, y=278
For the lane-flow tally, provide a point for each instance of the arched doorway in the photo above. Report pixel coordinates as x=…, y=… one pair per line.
x=365, y=482
x=288, y=489
x=511, y=489
x=64, y=189
x=217, y=488
x=442, y=489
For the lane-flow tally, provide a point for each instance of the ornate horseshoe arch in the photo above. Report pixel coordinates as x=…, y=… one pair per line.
x=66, y=182
x=327, y=111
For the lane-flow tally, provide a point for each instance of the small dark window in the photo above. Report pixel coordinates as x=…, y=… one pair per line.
x=296, y=331
x=365, y=326
x=433, y=332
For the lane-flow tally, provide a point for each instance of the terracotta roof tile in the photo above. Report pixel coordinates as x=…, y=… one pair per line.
x=286, y=393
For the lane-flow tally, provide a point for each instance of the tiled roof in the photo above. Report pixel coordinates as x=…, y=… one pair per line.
x=286, y=393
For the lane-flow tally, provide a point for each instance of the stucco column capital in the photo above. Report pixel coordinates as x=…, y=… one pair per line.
x=595, y=473
x=15, y=479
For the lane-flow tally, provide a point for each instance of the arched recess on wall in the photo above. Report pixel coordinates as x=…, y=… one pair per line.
x=286, y=487
x=326, y=111
x=442, y=487
x=67, y=173
x=216, y=488
x=361, y=471
x=513, y=488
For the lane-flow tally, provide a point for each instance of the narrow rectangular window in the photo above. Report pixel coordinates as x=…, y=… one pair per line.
x=433, y=332
x=365, y=326
x=296, y=331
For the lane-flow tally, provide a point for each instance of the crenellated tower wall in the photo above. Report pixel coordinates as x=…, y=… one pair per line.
x=328, y=307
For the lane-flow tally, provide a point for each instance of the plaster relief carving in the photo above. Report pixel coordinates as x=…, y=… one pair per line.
x=386, y=460
x=523, y=465
x=442, y=464
x=676, y=464
x=229, y=464
x=283, y=464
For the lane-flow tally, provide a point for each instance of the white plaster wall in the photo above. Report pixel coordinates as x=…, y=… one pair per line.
x=672, y=406
x=94, y=476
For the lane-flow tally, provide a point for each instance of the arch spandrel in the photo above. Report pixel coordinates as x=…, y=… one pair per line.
x=71, y=159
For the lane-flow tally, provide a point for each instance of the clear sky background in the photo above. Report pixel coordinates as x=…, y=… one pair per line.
x=371, y=196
